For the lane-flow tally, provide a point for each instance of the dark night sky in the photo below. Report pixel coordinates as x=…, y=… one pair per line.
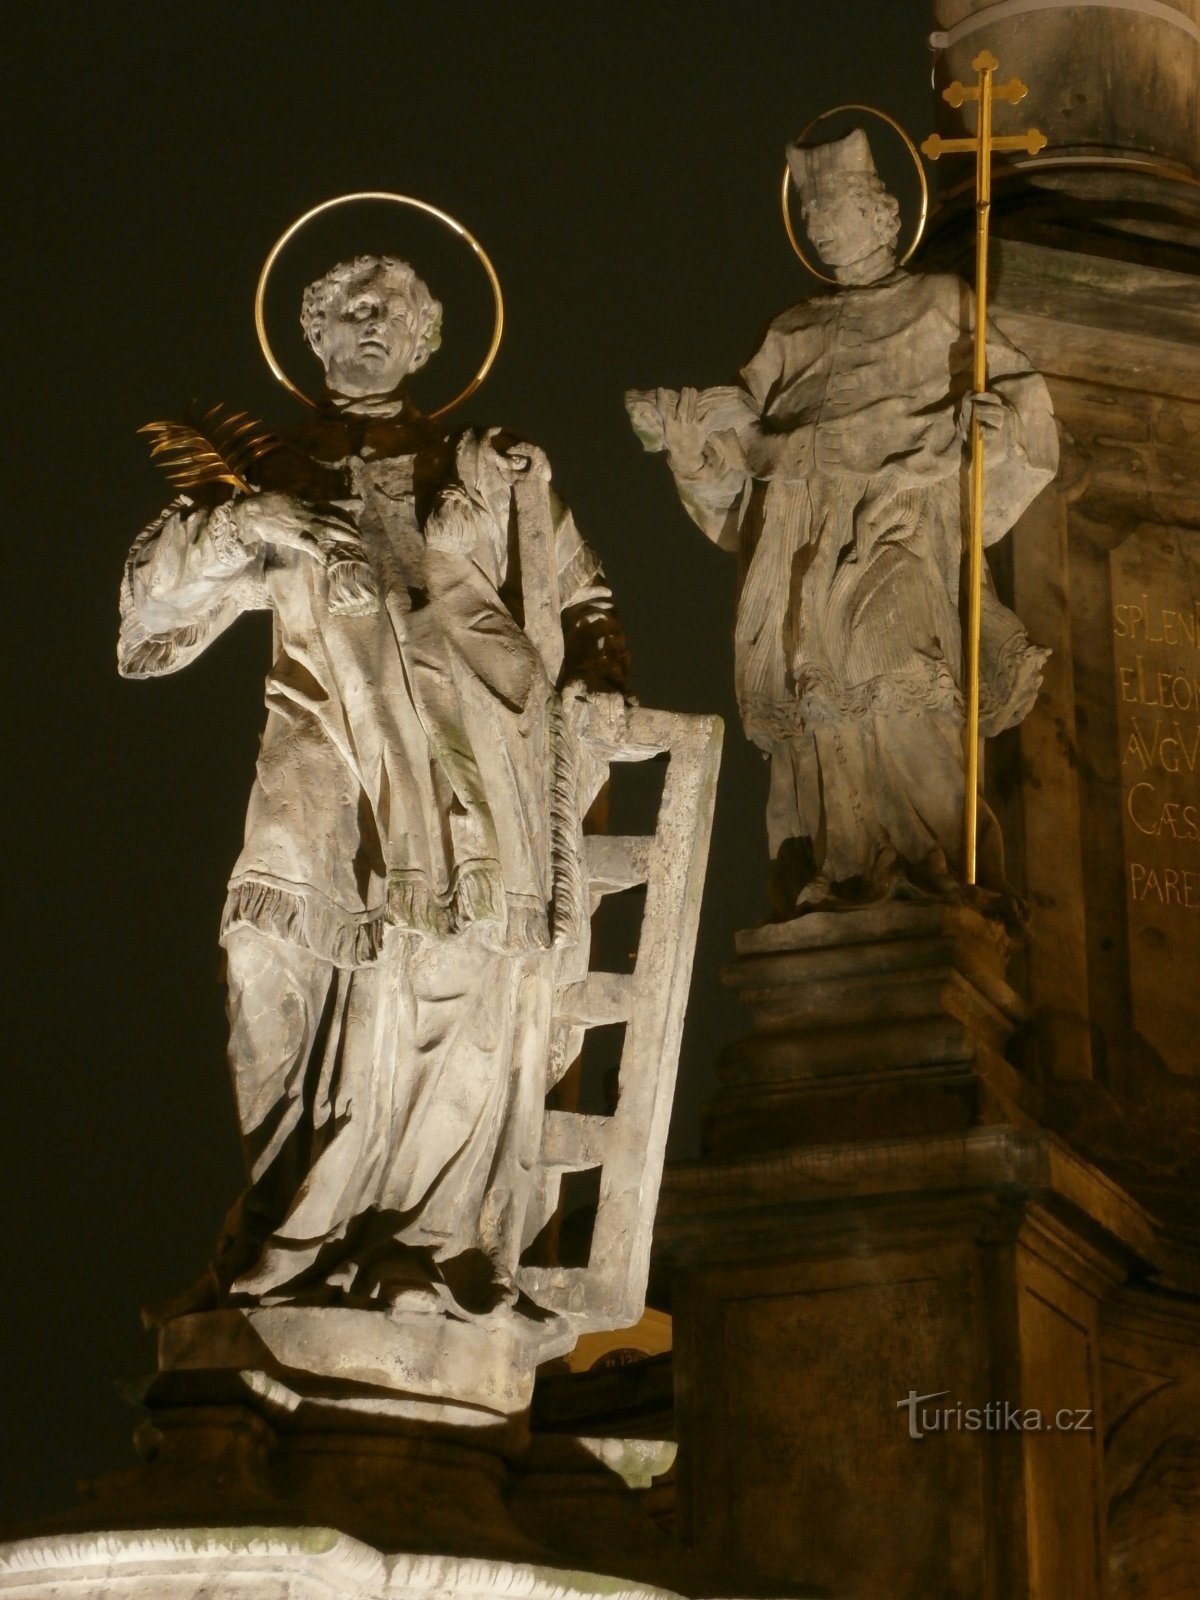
x=621, y=164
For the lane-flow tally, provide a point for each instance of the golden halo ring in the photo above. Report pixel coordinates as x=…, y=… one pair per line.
x=873, y=111
x=285, y=238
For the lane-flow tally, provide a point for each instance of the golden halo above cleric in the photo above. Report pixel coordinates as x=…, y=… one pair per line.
x=823, y=116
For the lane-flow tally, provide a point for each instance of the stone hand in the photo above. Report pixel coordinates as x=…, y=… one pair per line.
x=988, y=407
x=601, y=715
x=684, y=429
x=282, y=519
x=518, y=462
x=496, y=464
x=696, y=427
x=643, y=412
x=668, y=419
x=326, y=533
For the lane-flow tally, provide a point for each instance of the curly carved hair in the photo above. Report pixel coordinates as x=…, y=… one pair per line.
x=887, y=207
x=888, y=216
x=426, y=311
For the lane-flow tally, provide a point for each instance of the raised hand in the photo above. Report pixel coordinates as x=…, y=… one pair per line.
x=690, y=425
x=671, y=420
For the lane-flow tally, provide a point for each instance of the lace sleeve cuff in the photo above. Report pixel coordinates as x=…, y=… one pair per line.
x=223, y=533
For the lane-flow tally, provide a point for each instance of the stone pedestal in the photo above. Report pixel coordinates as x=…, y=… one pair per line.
x=223, y=1453
x=936, y=1285
x=241, y=1491
x=1098, y=792
x=296, y=1451
x=819, y=1293
x=370, y=1363
x=868, y=1025
x=895, y=1294
x=1094, y=274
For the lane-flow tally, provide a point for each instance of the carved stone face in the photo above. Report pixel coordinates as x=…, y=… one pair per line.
x=845, y=221
x=367, y=337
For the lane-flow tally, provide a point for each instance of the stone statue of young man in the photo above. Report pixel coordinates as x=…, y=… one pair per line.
x=390, y=921
x=835, y=470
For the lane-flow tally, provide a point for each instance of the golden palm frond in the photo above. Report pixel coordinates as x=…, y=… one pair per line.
x=216, y=447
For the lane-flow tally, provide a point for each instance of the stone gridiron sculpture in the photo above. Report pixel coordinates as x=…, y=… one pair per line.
x=835, y=469
x=409, y=870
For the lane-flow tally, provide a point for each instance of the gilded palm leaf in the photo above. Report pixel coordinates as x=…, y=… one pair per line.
x=217, y=447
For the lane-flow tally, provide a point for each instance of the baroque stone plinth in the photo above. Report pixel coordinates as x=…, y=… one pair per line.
x=241, y=1459
x=872, y=1023
x=226, y=1466
x=819, y=1292
x=880, y=1230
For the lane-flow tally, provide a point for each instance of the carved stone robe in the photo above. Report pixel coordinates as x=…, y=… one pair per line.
x=389, y=920
x=836, y=470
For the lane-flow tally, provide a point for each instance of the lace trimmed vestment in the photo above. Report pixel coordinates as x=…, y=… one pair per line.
x=410, y=856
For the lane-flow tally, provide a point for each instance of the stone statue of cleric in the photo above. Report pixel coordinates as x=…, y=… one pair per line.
x=835, y=468
x=410, y=873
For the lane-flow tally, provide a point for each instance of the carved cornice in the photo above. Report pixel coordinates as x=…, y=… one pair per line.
x=707, y=1198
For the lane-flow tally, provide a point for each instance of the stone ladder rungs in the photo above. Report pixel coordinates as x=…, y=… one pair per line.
x=598, y=999
x=573, y=1141
x=615, y=861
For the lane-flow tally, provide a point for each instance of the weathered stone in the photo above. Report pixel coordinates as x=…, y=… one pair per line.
x=407, y=929
x=827, y=1298
x=834, y=470
x=1156, y=650
x=878, y=1023
x=392, y=1365
x=227, y=1451
x=835, y=1279
x=1105, y=81
x=1150, y=1370
x=1115, y=1013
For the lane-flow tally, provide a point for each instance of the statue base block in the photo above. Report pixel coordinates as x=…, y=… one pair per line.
x=376, y=1363
x=887, y=1021
x=921, y=1345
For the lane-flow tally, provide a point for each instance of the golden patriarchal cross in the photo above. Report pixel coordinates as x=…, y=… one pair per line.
x=982, y=147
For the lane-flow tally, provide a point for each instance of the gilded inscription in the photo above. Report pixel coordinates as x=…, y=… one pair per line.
x=1156, y=661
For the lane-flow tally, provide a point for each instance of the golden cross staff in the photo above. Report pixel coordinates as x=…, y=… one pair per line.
x=982, y=147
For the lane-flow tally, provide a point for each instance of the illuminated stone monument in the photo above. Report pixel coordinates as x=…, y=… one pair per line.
x=937, y=1314
x=408, y=934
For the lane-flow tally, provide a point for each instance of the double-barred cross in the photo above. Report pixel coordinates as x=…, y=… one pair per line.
x=982, y=146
